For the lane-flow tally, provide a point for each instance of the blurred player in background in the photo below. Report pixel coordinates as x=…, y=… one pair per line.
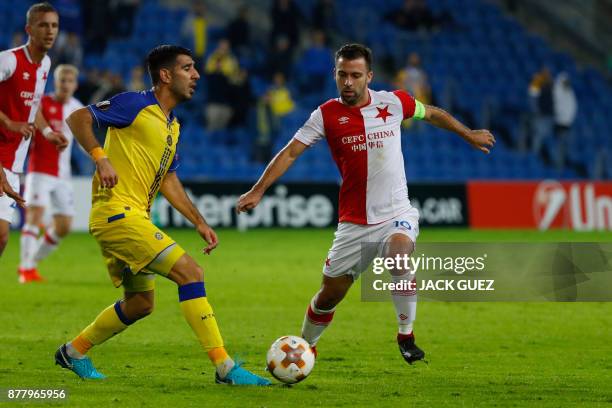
x=23, y=75
x=47, y=183
x=362, y=128
x=138, y=161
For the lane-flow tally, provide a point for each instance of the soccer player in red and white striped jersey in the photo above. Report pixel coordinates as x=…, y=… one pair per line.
x=47, y=183
x=363, y=130
x=23, y=75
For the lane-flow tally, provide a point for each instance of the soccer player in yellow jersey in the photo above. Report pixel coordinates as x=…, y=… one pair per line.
x=138, y=160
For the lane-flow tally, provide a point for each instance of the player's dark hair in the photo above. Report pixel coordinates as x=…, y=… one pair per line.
x=43, y=7
x=164, y=57
x=355, y=51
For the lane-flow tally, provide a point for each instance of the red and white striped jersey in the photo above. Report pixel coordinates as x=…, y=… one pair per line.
x=365, y=143
x=44, y=156
x=22, y=84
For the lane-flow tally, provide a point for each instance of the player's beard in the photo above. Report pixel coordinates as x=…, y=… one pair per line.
x=352, y=100
x=181, y=94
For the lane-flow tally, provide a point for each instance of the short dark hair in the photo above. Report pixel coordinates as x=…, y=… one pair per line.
x=37, y=8
x=355, y=51
x=164, y=56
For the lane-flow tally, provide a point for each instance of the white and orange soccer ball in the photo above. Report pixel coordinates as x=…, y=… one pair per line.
x=290, y=359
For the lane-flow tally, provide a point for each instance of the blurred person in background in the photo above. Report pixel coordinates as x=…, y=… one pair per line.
x=279, y=58
x=123, y=12
x=68, y=49
x=413, y=79
x=110, y=83
x=221, y=71
x=286, y=19
x=541, y=95
x=325, y=18
x=137, y=82
x=272, y=107
x=314, y=64
x=566, y=108
x=194, y=30
x=239, y=32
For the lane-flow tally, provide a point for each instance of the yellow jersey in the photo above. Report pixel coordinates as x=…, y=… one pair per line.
x=141, y=146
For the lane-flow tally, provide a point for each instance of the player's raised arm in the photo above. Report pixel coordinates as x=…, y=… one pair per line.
x=57, y=138
x=173, y=190
x=80, y=123
x=480, y=139
x=277, y=167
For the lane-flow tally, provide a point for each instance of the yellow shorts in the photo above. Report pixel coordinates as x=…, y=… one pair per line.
x=129, y=243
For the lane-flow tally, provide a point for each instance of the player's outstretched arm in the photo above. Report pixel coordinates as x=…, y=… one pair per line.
x=480, y=139
x=173, y=190
x=80, y=123
x=5, y=188
x=276, y=168
x=57, y=138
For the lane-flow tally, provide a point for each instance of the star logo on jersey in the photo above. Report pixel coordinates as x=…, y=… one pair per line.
x=383, y=113
x=26, y=76
x=343, y=120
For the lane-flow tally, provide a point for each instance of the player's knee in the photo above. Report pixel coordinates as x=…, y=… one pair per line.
x=188, y=274
x=62, y=231
x=195, y=274
x=142, y=309
x=399, y=244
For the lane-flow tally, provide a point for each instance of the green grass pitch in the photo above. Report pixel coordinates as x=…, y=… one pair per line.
x=259, y=283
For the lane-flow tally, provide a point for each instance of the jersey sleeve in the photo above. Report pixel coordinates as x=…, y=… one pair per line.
x=412, y=109
x=8, y=64
x=119, y=111
x=313, y=130
x=175, y=163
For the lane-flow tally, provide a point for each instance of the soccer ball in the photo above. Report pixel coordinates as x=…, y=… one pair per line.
x=290, y=359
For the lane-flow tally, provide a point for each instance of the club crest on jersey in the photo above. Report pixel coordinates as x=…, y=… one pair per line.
x=383, y=113
x=343, y=120
x=159, y=236
x=26, y=76
x=169, y=140
x=103, y=105
x=44, y=77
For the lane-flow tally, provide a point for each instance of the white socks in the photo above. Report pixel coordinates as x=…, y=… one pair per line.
x=29, y=245
x=405, y=302
x=315, y=322
x=46, y=244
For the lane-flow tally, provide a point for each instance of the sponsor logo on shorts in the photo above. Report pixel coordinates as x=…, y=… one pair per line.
x=159, y=236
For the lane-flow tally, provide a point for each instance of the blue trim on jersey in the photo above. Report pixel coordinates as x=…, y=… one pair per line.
x=175, y=163
x=121, y=315
x=116, y=217
x=121, y=110
x=192, y=290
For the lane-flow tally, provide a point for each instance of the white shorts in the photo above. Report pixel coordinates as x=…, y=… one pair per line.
x=355, y=245
x=49, y=192
x=7, y=204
